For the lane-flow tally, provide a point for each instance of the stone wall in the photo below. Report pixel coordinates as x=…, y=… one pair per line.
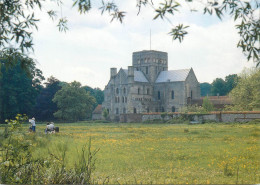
x=131, y=118
x=213, y=116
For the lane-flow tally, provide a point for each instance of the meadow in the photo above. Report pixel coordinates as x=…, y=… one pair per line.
x=161, y=153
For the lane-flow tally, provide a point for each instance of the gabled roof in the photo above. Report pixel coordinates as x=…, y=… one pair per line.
x=173, y=75
x=98, y=110
x=138, y=76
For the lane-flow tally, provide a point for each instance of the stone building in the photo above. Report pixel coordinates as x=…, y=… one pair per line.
x=148, y=86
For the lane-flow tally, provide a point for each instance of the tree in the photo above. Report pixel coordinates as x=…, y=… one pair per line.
x=207, y=105
x=246, y=95
x=17, y=19
x=18, y=88
x=205, y=89
x=73, y=102
x=105, y=114
x=231, y=82
x=218, y=87
x=45, y=107
x=97, y=93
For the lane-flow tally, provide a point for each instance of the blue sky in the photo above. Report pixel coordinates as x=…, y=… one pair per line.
x=93, y=45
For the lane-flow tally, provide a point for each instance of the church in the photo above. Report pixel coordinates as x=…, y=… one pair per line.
x=148, y=86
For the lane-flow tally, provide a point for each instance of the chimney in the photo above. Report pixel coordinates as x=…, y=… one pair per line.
x=113, y=72
x=130, y=74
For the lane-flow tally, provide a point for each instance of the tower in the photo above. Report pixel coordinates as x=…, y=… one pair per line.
x=150, y=62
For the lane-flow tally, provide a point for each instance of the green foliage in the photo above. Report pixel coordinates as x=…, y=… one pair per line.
x=231, y=82
x=45, y=107
x=207, y=105
x=17, y=19
x=20, y=83
x=246, y=95
x=18, y=165
x=243, y=12
x=205, y=89
x=223, y=87
x=218, y=87
x=97, y=93
x=73, y=102
x=192, y=108
x=105, y=114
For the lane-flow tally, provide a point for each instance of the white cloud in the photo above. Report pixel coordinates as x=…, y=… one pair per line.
x=93, y=45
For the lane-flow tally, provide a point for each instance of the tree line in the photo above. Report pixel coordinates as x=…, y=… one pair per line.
x=219, y=86
x=22, y=91
x=243, y=89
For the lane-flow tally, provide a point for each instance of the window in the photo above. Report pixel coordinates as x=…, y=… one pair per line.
x=134, y=110
x=115, y=99
x=162, y=109
x=138, y=90
x=172, y=94
x=156, y=110
x=108, y=111
x=159, y=95
x=124, y=90
x=122, y=99
x=147, y=110
x=118, y=99
x=146, y=69
x=117, y=91
x=173, y=109
x=124, y=110
x=117, y=111
x=148, y=91
x=125, y=99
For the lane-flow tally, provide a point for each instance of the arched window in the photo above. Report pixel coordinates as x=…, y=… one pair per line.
x=124, y=110
x=159, y=95
x=148, y=91
x=172, y=94
x=134, y=110
x=117, y=91
x=124, y=90
x=138, y=90
x=162, y=109
x=123, y=100
x=173, y=109
x=117, y=111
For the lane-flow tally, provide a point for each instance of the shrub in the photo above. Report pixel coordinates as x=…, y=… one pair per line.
x=17, y=164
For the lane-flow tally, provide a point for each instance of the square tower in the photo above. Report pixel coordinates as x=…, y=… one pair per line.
x=150, y=62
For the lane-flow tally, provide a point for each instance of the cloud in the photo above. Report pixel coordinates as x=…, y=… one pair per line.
x=93, y=45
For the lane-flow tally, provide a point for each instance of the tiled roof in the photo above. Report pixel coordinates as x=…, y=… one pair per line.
x=98, y=110
x=173, y=75
x=138, y=76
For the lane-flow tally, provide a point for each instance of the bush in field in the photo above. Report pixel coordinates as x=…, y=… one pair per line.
x=246, y=95
x=105, y=114
x=17, y=164
x=207, y=105
x=73, y=102
x=192, y=108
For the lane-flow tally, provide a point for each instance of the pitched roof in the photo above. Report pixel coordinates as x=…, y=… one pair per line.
x=138, y=76
x=98, y=110
x=173, y=75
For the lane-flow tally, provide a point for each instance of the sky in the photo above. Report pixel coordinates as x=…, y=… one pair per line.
x=93, y=44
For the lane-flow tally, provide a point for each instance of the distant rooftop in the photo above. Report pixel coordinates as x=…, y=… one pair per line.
x=173, y=75
x=138, y=76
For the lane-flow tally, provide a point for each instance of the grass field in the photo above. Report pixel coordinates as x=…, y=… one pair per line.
x=163, y=153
